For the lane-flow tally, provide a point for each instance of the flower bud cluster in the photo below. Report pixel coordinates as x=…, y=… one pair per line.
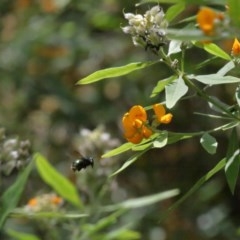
x=148, y=30
x=14, y=153
x=44, y=202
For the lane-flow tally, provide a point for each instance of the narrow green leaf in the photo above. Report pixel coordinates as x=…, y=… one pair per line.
x=233, y=161
x=142, y=147
x=174, y=11
x=116, y=151
x=209, y=143
x=145, y=144
x=57, y=181
x=21, y=213
x=186, y=34
x=214, y=79
x=197, y=185
x=144, y=201
x=130, y=161
x=11, y=196
x=226, y=68
x=158, y=1
x=213, y=49
x=130, y=146
x=174, y=91
x=162, y=84
x=122, y=233
x=103, y=223
x=176, y=137
x=237, y=95
x=219, y=105
x=21, y=236
x=114, y=72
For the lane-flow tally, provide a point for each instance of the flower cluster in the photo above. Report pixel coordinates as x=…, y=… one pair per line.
x=209, y=20
x=136, y=125
x=45, y=202
x=148, y=30
x=14, y=154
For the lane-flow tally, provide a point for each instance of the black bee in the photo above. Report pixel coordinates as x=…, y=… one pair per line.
x=81, y=163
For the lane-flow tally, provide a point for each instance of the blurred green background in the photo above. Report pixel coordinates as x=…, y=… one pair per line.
x=46, y=47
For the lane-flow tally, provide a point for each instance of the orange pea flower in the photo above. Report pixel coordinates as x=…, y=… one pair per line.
x=207, y=18
x=161, y=115
x=56, y=200
x=45, y=202
x=134, y=124
x=236, y=48
x=32, y=202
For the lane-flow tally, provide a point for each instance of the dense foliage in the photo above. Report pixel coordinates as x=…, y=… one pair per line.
x=148, y=92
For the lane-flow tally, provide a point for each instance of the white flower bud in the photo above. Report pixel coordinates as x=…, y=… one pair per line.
x=137, y=20
x=129, y=16
x=159, y=18
x=155, y=10
x=128, y=30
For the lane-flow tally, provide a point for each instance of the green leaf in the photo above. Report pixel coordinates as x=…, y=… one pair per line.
x=174, y=47
x=209, y=143
x=116, y=151
x=233, y=161
x=130, y=146
x=20, y=235
x=197, y=185
x=174, y=11
x=145, y=144
x=162, y=84
x=213, y=49
x=130, y=161
x=21, y=213
x=176, y=137
x=11, y=196
x=159, y=1
x=141, y=147
x=103, y=223
x=214, y=79
x=57, y=181
x=218, y=105
x=174, y=91
x=143, y=201
x=115, y=72
x=237, y=95
x=226, y=68
x=234, y=6
x=123, y=233
x=186, y=34
x=161, y=140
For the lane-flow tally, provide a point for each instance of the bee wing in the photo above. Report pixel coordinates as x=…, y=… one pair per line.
x=77, y=154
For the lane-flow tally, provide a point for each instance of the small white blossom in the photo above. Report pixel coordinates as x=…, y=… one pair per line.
x=148, y=30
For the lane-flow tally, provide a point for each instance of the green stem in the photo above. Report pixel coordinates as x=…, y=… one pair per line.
x=190, y=84
x=208, y=98
x=194, y=134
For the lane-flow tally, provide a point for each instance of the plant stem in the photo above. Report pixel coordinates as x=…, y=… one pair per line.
x=190, y=84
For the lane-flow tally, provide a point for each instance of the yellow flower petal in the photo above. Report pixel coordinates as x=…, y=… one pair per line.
x=236, y=48
x=138, y=112
x=136, y=138
x=166, y=118
x=147, y=132
x=159, y=111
